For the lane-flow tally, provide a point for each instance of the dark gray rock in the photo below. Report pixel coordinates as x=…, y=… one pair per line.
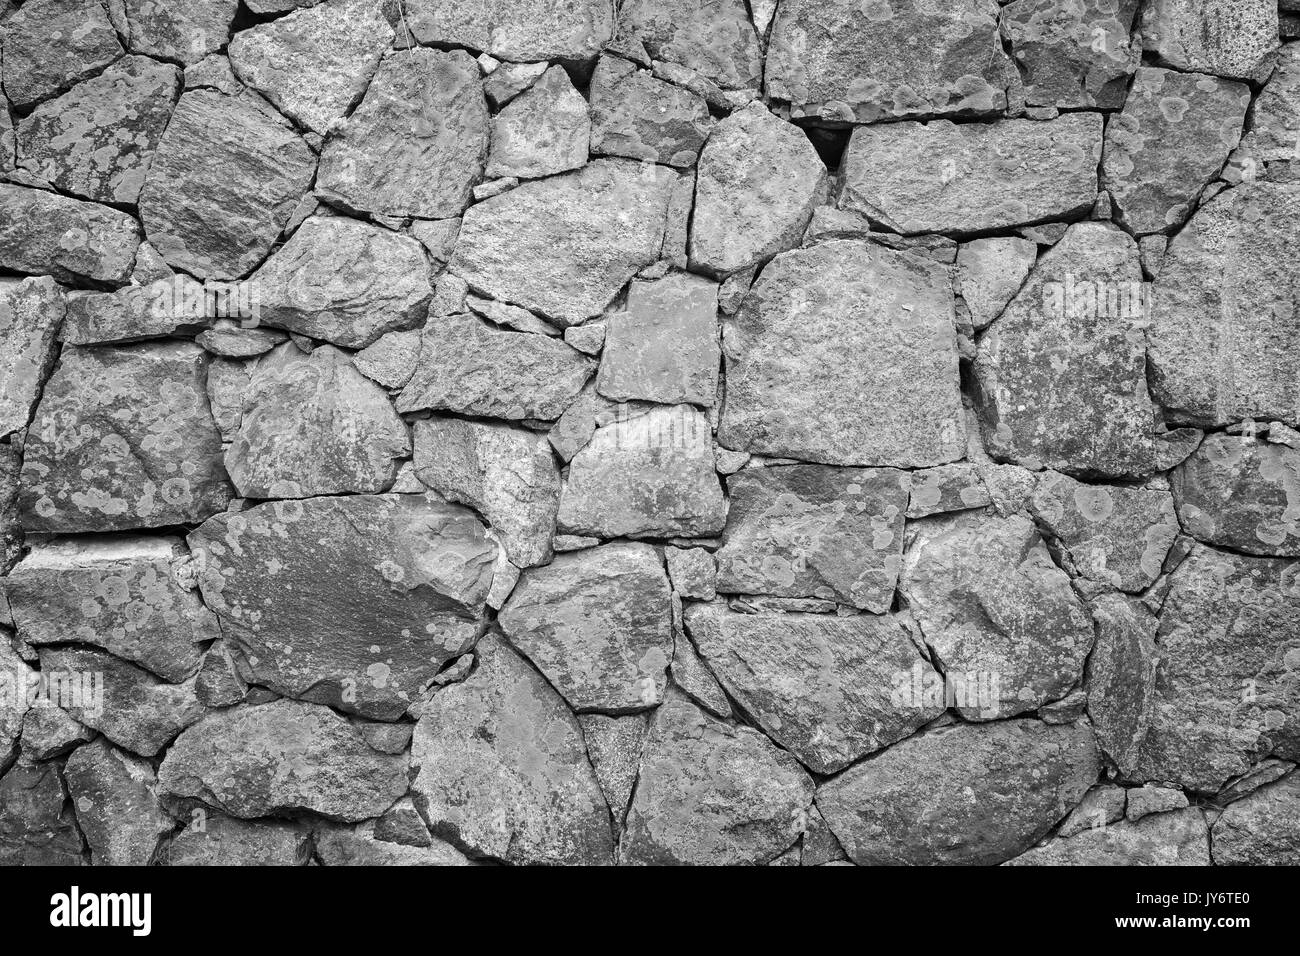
x=1168, y=839
x=51, y=44
x=1261, y=829
x=1076, y=54
x=31, y=312
x=42, y=233
x=218, y=840
x=117, y=803
x=37, y=825
x=183, y=31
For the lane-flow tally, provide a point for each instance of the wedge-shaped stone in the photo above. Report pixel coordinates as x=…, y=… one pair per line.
x=1273, y=132
x=16, y=681
x=943, y=177
x=118, y=593
x=1242, y=494
x=174, y=306
x=1165, y=839
x=990, y=272
x=956, y=487
x=828, y=689
x=502, y=771
x=1121, y=678
x=648, y=476
x=1002, y=621
x=37, y=824
x=1074, y=54
x=614, y=745
x=116, y=796
x=359, y=846
x=184, y=31
x=466, y=366
x=858, y=63
x=712, y=38
x=506, y=474
x=391, y=359
x=712, y=793
x=97, y=140
x=1223, y=300
x=225, y=179
x=565, y=246
x=845, y=353
x=123, y=438
x=355, y=601
x=516, y=30
x=966, y=795
x=51, y=44
x=281, y=757
x=633, y=114
x=598, y=624
x=1223, y=37
x=313, y=425
x=416, y=144
x=31, y=312
x=1262, y=829
x=544, y=131
x=42, y=233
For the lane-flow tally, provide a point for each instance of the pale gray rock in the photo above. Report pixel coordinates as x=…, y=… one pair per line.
x=944, y=177
x=228, y=339
x=280, y=757
x=1273, y=125
x=588, y=339
x=758, y=180
x=544, y=131
x=845, y=353
x=956, y=487
x=514, y=30
x=51, y=44
x=990, y=272
x=1167, y=839
x=633, y=114
x=813, y=531
x=176, y=305
x=564, y=247
x=1101, y=806
x=361, y=846
x=1224, y=37
x=1074, y=54
x=225, y=179
x=49, y=732
x=712, y=793
x=123, y=438
x=648, y=476
x=693, y=676
x=1144, y=801
x=828, y=689
x=116, y=800
x=693, y=572
x=506, y=474
x=1261, y=829
x=1001, y=620
x=614, y=746
x=417, y=143
x=279, y=6
x=37, y=824
x=212, y=72
x=42, y=233
x=598, y=624
x=1121, y=678
x=16, y=678
x=510, y=316
x=502, y=770
x=715, y=40
x=31, y=313
x=438, y=238
x=589, y=411
x=227, y=386
x=390, y=360
x=214, y=839
x=97, y=140
x=183, y=31
x=11, y=534
x=964, y=794
x=508, y=80
x=218, y=682
x=417, y=573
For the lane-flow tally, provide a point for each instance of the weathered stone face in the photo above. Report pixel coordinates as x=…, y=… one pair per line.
x=42, y=233
x=845, y=353
x=1074, y=54
x=1275, y=116
x=123, y=438
x=1224, y=37
x=417, y=574
x=544, y=131
x=517, y=30
x=31, y=311
x=51, y=44
x=228, y=841
x=1261, y=828
x=184, y=31
x=713, y=40
x=990, y=272
x=117, y=805
x=1167, y=839
x=859, y=63
x=640, y=117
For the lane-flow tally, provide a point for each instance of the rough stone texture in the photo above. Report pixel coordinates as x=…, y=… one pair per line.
x=990, y=272
x=42, y=233
x=945, y=177
x=614, y=746
x=390, y=360
x=1074, y=54
x=1224, y=37
x=184, y=31
x=225, y=179
x=973, y=795
x=502, y=770
x=229, y=841
x=635, y=115
x=714, y=40
x=598, y=624
x=176, y=305
x=759, y=179
x=1260, y=829
x=31, y=311
x=1172, y=137
x=1274, y=120
x=51, y=44
x=517, y=30
x=361, y=846
x=544, y=131
x=845, y=353
x=117, y=803
x=1168, y=839
x=37, y=824
x=851, y=62
x=956, y=487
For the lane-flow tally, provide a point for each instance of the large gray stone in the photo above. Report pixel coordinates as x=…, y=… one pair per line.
x=516, y=30
x=1121, y=678
x=1273, y=126
x=633, y=114
x=183, y=31
x=1166, y=839
x=1074, y=54
x=37, y=824
x=116, y=798
x=1262, y=829
x=31, y=312
x=173, y=306
x=42, y=233
x=544, y=131
x=711, y=38
x=229, y=841
x=1223, y=37
x=51, y=44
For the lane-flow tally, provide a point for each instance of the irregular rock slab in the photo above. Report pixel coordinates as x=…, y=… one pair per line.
x=137, y=711
x=1261, y=829
x=1100, y=806
x=1121, y=678
x=942, y=177
x=517, y=30
x=1223, y=37
x=11, y=534
x=828, y=689
x=711, y=793
x=1171, y=139
x=956, y=487
x=1226, y=691
x=468, y=367
x=42, y=233
x=1168, y=839
x=502, y=770
x=1214, y=326
x=649, y=476
x=1115, y=534
x=176, y=305
x=1274, y=127
x=120, y=594
x=858, y=63
x=614, y=746
x=544, y=131
x=693, y=572
x=598, y=624
x=228, y=339
x=31, y=311
x=506, y=474
x=1242, y=494
x=1074, y=55
x=966, y=794
x=845, y=353
x=123, y=438
x=49, y=732
x=1062, y=374
x=359, y=846
x=316, y=63
x=759, y=178
x=508, y=80
x=344, y=281
x=313, y=425
x=281, y=757
x=812, y=531
x=37, y=825
x=225, y=179
x=16, y=678
x=391, y=359
x=665, y=347
x=116, y=797
x=52, y=44
x=97, y=140
x=416, y=144
x=640, y=117
x=228, y=841
x=714, y=40
x=417, y=573
x=1002, y=621
x=990, y=272
x=1149, y=799
x=564, y=247
x=183, y=31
